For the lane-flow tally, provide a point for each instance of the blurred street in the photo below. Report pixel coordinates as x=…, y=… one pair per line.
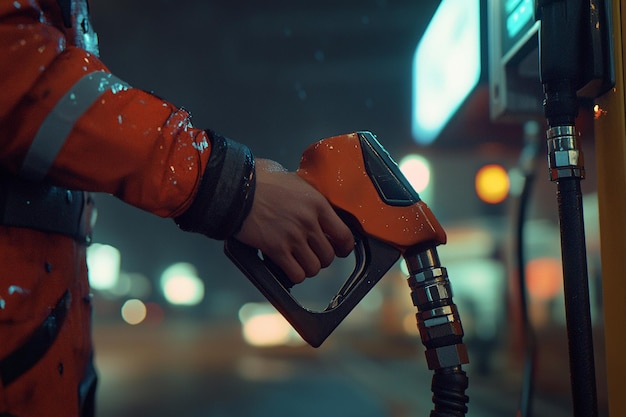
x=190, y=370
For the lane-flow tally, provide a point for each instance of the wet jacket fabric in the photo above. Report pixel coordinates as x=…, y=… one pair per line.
x=65, y=120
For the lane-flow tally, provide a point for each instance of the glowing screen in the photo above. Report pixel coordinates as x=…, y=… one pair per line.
x=446, y=66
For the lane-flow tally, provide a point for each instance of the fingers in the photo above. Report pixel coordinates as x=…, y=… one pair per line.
x=293, y=224
x=300, y=262
x=325, y=240
x=291, y=267
x=317, y=245
x=308, y=260
x=311, y=253
x=338, y=234
x=321, y=248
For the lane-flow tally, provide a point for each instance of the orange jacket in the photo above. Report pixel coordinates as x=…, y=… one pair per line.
x=66, y=120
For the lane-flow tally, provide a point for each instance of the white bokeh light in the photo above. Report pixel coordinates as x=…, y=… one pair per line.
x=181, y=285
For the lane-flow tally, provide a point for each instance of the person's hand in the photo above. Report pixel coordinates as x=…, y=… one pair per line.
x=293, y=224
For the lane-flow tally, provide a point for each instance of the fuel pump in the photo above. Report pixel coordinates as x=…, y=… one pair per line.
x=574, y=65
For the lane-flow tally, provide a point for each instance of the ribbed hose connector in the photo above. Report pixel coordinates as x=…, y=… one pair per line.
x=441, y=332
x=565, y=158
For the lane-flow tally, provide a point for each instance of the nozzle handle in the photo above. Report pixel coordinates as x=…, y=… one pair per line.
x=373, y=259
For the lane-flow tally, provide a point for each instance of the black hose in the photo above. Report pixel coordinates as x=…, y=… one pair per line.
x=577, y=306
x=448, y=387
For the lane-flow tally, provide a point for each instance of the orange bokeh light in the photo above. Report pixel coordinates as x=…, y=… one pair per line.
x=492, y=183
x=544, y=278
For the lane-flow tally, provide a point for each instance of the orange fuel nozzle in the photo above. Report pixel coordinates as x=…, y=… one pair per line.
x=388, y=219
x=363, y=183
x=357, y=175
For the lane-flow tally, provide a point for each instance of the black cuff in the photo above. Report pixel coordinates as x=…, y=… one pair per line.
x=226, y=191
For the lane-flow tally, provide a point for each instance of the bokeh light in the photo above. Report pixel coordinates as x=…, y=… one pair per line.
x=416, y=169
x=544, y=278
x=103, y=262
x=181, y=285
x=262, y=325
x=133, y=311
x=492, y=183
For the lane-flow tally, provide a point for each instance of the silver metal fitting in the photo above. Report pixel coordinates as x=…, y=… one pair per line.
x=438, y=319
x=447, y=356
x=442, y=322
x=432, y=291
x=565, y=159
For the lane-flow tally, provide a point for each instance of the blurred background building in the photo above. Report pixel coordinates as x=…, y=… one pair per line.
x=180, y=331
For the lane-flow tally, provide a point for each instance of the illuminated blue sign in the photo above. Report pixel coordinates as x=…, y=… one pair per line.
x=446, y=66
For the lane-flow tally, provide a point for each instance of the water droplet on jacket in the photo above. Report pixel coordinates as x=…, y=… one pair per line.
x=73, y=97
x=15, y=289
x=41, y=49
x=3, y=303
x=17, y=4
x=117, y=87
x=201, y=146
x=119, y=118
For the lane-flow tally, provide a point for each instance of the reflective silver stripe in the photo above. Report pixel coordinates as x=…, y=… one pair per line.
x=59, y=123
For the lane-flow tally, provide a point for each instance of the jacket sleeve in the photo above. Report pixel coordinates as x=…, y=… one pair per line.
x=65, y=119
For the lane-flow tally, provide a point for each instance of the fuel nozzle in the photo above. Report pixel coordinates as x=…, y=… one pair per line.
x=441, y=331
x=388, y=219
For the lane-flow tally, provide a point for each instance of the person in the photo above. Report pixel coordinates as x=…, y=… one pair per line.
x=68, y=128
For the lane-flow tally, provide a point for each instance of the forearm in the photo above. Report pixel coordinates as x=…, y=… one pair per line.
x=64, y=119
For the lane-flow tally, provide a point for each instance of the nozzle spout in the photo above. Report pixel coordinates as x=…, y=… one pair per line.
x=441, y=331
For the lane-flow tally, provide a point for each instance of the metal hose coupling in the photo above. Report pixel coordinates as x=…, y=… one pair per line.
x=441, y=332
x=565, y=159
